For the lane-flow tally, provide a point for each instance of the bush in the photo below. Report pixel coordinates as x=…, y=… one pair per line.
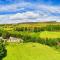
x=49, y=41
x=3, y=51
x=1, y=31
x=5, y=35
x=41, y=40
x=26, y=38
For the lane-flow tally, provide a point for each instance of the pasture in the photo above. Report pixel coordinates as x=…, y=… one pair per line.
x=31, y=51
x=50, y=34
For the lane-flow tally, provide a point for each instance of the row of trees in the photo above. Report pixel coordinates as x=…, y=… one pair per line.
x=38, y=29
x=31, y=29
x=53, y=28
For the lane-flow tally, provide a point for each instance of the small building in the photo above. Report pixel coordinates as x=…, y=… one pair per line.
x=1, y=38
x=14, y=39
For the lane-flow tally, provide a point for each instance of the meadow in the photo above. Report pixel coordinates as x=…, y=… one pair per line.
x=31, y=51
x=50, y=34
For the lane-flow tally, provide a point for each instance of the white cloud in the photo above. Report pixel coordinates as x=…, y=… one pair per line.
x=40, y=12
x=26, y=17
x=19, y=17
x=50, y=8
x=23, y=5
x=14, y=7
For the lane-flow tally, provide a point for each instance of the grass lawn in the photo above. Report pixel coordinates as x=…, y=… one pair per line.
x=31, y=51
x=49, y=34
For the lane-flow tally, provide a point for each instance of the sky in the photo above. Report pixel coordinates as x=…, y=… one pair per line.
x=17, y=11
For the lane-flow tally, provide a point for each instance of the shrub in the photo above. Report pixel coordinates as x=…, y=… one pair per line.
x=51, y=42
x=5, y=35
x=3, y=51
x=1, y=31
x=26, y=38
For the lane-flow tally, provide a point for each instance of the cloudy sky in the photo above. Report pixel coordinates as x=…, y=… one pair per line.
x=15, y=11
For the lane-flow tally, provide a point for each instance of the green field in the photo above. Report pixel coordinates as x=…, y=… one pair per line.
x=50, y=34
x=31, y=51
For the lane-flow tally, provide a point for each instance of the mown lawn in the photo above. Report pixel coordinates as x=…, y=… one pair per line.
x=31, y=51
x=50, y=34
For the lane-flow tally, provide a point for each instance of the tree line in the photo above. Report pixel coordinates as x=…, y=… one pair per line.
x=38, y=29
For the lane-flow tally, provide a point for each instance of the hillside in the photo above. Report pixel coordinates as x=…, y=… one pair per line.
x=31, y=51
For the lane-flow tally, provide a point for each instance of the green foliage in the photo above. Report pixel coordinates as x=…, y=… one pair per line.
x=0, y=33
x=49, y=41
x=15, y=34
x=53, y=27
x=3, y=51
x=34, y=37
x=38, y=29
x=5, y=35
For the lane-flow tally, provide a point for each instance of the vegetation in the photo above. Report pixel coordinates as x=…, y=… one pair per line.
x=47, y=33
x=5, y=35
x=3, y=51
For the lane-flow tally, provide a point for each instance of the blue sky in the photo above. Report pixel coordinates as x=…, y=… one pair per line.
x=15, y=11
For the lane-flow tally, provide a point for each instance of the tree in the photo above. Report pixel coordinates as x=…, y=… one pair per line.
x=5, y=35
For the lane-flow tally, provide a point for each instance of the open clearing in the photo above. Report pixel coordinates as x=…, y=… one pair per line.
x=31, y=51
